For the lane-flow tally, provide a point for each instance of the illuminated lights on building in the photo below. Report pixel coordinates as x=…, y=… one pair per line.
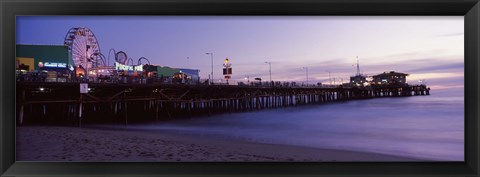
x=54, y=65
x=122, y=67
x=385, y=78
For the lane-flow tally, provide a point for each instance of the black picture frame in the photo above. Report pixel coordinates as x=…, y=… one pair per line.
x=470, y=9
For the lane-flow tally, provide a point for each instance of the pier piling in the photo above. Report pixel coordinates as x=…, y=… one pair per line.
x=61, y=103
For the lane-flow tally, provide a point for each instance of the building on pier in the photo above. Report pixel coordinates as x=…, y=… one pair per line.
x=37, y=57
x=358, y=81
x=43, y=62
x=165, y=74
x=190, y=75
x=390, y=78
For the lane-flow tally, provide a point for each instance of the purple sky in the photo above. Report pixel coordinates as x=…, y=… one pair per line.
x=429, y=48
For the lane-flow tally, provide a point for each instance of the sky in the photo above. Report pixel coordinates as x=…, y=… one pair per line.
x=429, y=48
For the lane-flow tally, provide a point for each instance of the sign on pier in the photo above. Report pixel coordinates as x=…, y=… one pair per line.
x=83, y=88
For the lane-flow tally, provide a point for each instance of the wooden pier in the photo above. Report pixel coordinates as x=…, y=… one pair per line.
x=62, y=103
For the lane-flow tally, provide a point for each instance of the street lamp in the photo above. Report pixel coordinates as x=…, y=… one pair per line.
x=306, y=68
x=211, y=54
x=270, y=69
x=248, y=79
x=329, y=77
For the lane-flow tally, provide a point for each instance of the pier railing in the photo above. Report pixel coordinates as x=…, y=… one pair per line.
x=62, y=103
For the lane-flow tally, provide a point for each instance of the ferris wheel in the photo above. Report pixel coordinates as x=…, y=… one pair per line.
x=84, y=47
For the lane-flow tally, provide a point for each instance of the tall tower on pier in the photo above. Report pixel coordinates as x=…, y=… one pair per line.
x=358, y=80
x=358, y=67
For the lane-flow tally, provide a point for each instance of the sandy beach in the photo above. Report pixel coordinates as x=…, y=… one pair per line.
x=53, y=143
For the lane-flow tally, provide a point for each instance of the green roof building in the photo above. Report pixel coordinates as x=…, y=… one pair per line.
x=166, y=71
x=45, y=54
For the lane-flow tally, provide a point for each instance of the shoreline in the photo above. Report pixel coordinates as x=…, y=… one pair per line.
x=96, y=144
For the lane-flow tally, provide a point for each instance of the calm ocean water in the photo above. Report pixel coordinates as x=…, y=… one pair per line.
x=424, y=127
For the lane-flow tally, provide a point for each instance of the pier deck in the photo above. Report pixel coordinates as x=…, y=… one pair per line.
x=62, y=103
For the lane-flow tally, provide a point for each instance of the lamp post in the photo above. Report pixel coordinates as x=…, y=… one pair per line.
x=248, y=79
x=86, y=62
x=340, y=80
x=306, y=68
x=211, y=55
x=270, y=69
x=329, y=77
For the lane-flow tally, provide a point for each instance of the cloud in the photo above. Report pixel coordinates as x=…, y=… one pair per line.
x=340, y=69
x=443, y=67
x=450, y=35
x=451, y=81
x=417, y=65
x=430, y=76
x=403, y=54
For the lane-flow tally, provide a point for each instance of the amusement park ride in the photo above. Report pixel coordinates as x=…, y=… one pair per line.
x=89, y=60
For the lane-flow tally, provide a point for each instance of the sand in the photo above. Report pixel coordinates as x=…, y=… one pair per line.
x=53, y=143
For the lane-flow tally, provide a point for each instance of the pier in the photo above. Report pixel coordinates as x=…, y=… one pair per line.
x=62, y=103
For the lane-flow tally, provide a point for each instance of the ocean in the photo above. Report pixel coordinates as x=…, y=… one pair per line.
x=429, y=128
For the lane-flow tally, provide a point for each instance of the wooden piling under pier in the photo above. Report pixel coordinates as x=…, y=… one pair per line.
x=61, y=103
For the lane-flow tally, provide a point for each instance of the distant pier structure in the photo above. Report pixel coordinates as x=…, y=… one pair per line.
x=62, y=103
